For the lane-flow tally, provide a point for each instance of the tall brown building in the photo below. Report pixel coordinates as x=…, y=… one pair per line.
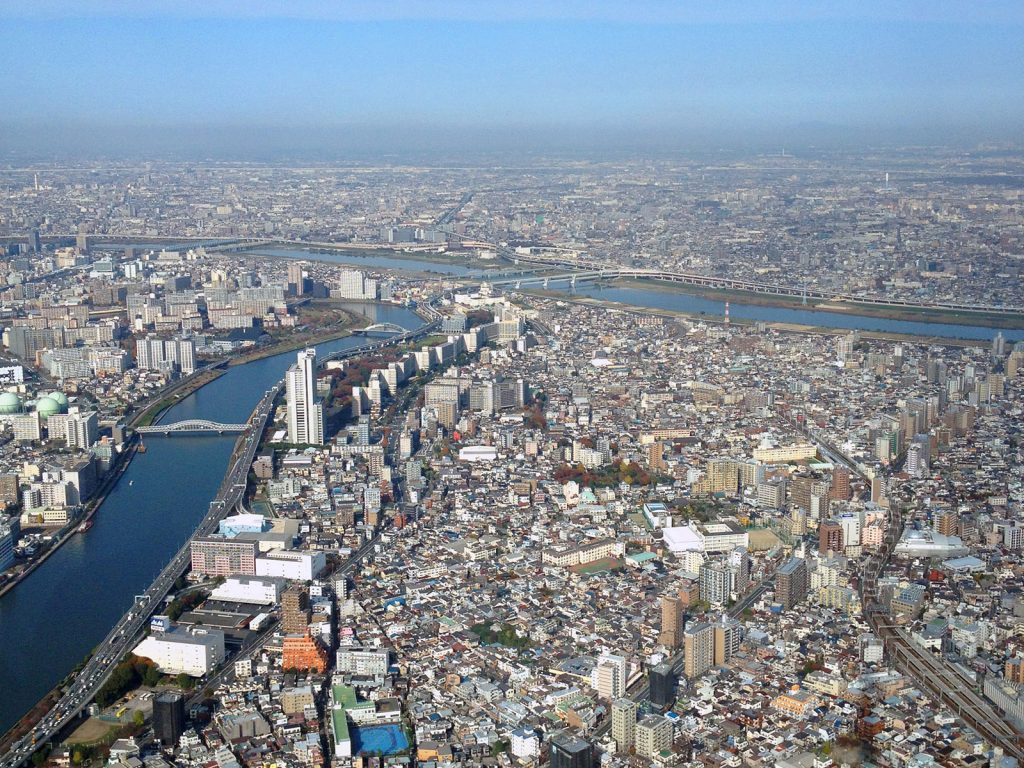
x=830, y=537
x=296, y=279
x=672, y=617
x=728, y=634
x=840, y=490
x=947, y=523
x=791, y=582
x=295, y=610
x=8, y=489
x=1013, y=671
x=689, y=592
x=656, y=456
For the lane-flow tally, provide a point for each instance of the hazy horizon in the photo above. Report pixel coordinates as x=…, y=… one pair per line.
x=270, y=78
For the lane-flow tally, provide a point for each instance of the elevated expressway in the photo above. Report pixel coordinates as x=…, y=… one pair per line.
x=125, y=634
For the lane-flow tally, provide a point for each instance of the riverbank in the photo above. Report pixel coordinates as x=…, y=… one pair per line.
x=410, y=263
x=774, y=325
x=145, y=417
x=110, y=480
x=54, y=696
x=165, y=504
x=908, y=314
x=150, y=413
x=295, y=342
x=367, y=251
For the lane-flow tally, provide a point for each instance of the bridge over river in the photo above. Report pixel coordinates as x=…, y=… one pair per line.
x=191, y=425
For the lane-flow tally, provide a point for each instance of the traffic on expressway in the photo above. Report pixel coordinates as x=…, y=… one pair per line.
x=125, y=633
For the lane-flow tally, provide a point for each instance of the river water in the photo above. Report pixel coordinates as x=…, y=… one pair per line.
x=57, y=615
x=714, y=308
x=666, y=299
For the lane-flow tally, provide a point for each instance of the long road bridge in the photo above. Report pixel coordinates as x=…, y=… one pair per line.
x=591, y=271
x=192, y=425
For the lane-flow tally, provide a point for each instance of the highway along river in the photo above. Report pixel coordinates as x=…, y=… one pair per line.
x=667, y=299
x=57, y=615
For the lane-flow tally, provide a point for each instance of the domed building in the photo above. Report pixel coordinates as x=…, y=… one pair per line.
x=9, y=403
x=61, y=399
x=47, y=406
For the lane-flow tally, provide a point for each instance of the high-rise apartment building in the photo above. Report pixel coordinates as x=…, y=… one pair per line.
x=8, y=538
x=609, y=676
x=214, y=556
x=947, y=523
x=830, y=537
x=653, y=735
x=78, y=430
x=178, y=354
x=728, y=635
x=295, y=610
x=663, y=684
x=353, y=284
x=698, y=649
x=840, y=490
x=181, y=353
x=656, y=456
x=624, y=724
x=740, y=566
x=791, y=582
x=715, y=583
x=296, y=279
x=672, y=618
x=305, y=411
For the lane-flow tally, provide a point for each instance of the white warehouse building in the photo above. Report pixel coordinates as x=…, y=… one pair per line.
x=264, y=590
x=194, y=652
x=297, y=566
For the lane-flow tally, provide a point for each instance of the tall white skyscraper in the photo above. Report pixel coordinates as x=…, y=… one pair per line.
x=609, y=676
x=181, y=352
x=149, y=352
x=353, y=284
x=172, y=354
x=305, y=411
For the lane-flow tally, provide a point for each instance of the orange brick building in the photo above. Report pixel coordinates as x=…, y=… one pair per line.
x=303, y=652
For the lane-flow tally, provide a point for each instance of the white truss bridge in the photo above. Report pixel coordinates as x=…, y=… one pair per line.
x=191, y=425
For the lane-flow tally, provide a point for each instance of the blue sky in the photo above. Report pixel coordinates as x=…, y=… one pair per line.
x=455, y=62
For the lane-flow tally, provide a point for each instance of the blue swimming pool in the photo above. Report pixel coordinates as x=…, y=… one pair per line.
x=379, y=739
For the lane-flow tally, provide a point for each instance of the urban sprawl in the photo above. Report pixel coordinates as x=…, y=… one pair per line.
x=533, y=531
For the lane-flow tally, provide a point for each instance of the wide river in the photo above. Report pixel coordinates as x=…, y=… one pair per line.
x=678, y=301
x=57, y=615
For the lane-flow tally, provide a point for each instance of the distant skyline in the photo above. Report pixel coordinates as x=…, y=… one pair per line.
x=308, y=69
